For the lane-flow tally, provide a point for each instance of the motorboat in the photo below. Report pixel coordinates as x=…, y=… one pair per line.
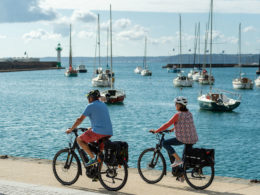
x=174, y=69
x=138, y=70
x=112, y=96
x=81, y=68
x=218, y=101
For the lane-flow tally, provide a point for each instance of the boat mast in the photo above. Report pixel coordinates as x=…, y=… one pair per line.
x=107, y=44
x=198, y=44
x=98, y=43
x=239, y=49
x=180, y=58
x=70, y=55
x=111, y=64
x=211, y=19
x=145, y=48
x=195, y=45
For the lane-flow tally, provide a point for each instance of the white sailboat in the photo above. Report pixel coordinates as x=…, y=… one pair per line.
x=112, y=96
x=181, y=80
x=195, y=73
x=205, y=78
x=138, y=70
x=241, y=82
x=257, y=82
x=70, y=72
x=145, y=71
x=217, y=100
x=100, y=79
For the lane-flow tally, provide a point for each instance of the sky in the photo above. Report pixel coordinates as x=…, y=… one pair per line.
x=37, y=26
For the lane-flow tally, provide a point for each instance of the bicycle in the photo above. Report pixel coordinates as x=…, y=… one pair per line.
x=152, y=166
x=67, y=165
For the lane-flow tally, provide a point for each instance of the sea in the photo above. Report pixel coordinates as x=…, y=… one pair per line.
x=36, y=108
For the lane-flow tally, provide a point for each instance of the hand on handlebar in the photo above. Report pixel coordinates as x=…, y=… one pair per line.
x=152, y=131
x=68, y=131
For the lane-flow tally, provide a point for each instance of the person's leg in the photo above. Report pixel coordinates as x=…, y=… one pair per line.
x=167, y=144
x=85, y=147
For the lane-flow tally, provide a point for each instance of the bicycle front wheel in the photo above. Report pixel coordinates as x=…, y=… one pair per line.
x=199, y=177
x=66, y=167
x=151, y=166
x=113, y=178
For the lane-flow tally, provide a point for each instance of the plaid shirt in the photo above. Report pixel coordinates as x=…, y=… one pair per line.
x=184, y=127
x=185, y=130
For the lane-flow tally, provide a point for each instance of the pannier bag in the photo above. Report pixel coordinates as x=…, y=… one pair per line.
x=200, y=156
x=116, y=153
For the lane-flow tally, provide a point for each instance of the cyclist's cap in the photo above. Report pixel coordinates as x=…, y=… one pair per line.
x=93, y=93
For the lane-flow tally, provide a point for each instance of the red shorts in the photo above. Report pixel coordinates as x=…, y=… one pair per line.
x=90, y=136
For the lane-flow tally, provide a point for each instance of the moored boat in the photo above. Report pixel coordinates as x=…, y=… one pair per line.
x=138, y=70
x=113, y=96
x=81, y=68
x=70, y=72
x=257, y=82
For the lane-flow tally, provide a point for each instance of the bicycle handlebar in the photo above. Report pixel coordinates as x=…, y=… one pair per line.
x=82, y=129
x=165, y=131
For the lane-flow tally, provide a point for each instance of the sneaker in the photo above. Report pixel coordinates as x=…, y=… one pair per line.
x=180, y=179
x=91, y=162
x=177, y=163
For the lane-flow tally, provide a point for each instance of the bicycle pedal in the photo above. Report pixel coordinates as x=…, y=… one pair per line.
x=95, y=180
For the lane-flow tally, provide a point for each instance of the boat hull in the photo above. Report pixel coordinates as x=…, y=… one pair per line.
x=82, y=71
x=113, y=96
x=213, y=106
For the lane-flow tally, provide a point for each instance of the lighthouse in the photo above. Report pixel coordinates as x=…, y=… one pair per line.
x=58, y=49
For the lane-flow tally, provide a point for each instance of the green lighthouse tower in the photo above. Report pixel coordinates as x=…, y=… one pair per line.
x=59, y=49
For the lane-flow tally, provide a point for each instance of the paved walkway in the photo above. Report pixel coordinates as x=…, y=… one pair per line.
x=19, y=188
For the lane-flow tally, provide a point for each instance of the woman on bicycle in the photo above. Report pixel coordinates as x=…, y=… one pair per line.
x=184, y=128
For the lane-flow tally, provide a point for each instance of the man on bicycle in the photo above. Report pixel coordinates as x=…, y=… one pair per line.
x=101, y=125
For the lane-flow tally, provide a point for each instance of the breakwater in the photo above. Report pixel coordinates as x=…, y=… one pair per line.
x=208, y=65
x=12, y=66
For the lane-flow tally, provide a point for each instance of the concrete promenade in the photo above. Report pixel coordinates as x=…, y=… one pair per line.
x=34, y=176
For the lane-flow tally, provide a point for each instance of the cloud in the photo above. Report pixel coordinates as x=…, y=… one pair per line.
x=161, y=40
x=136, y=33
x=40, y=34
x=2, y=37
x=85, y=34
x=84, y=16
x=248, y=29
x=177, y=6
x=122, y=23
x=12, y=11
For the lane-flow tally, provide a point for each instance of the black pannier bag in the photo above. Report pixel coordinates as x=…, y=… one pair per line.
x=116, y=153
x=200, y=156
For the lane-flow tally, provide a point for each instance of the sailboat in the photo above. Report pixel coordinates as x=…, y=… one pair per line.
x=205, y=78
x=257, y=82
x=217, y=100
x=181, y=80
x=138, y=70
x=100, y=79
x=145, y=71
x=112, y=96
x=71, y=72
x=241, y=82
x=194, y=74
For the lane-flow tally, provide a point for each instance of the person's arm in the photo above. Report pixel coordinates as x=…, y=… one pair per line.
x=172, y=121
x=77, y=123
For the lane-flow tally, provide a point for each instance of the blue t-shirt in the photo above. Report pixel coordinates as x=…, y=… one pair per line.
x=99, y=117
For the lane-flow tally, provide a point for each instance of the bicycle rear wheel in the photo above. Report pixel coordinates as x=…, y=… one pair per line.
x=199, y=177
x=151, y=166
x=113, y=178
x=66, y=167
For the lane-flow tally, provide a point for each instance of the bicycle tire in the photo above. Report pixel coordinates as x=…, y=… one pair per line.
x=141, y=170
x=192, y=184
x=61, y=161
x=109, y=170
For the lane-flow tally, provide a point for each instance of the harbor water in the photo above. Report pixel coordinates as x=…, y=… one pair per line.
x=36, y=107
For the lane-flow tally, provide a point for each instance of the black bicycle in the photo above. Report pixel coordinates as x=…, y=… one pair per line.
x=197, y=172
x=67, y=165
